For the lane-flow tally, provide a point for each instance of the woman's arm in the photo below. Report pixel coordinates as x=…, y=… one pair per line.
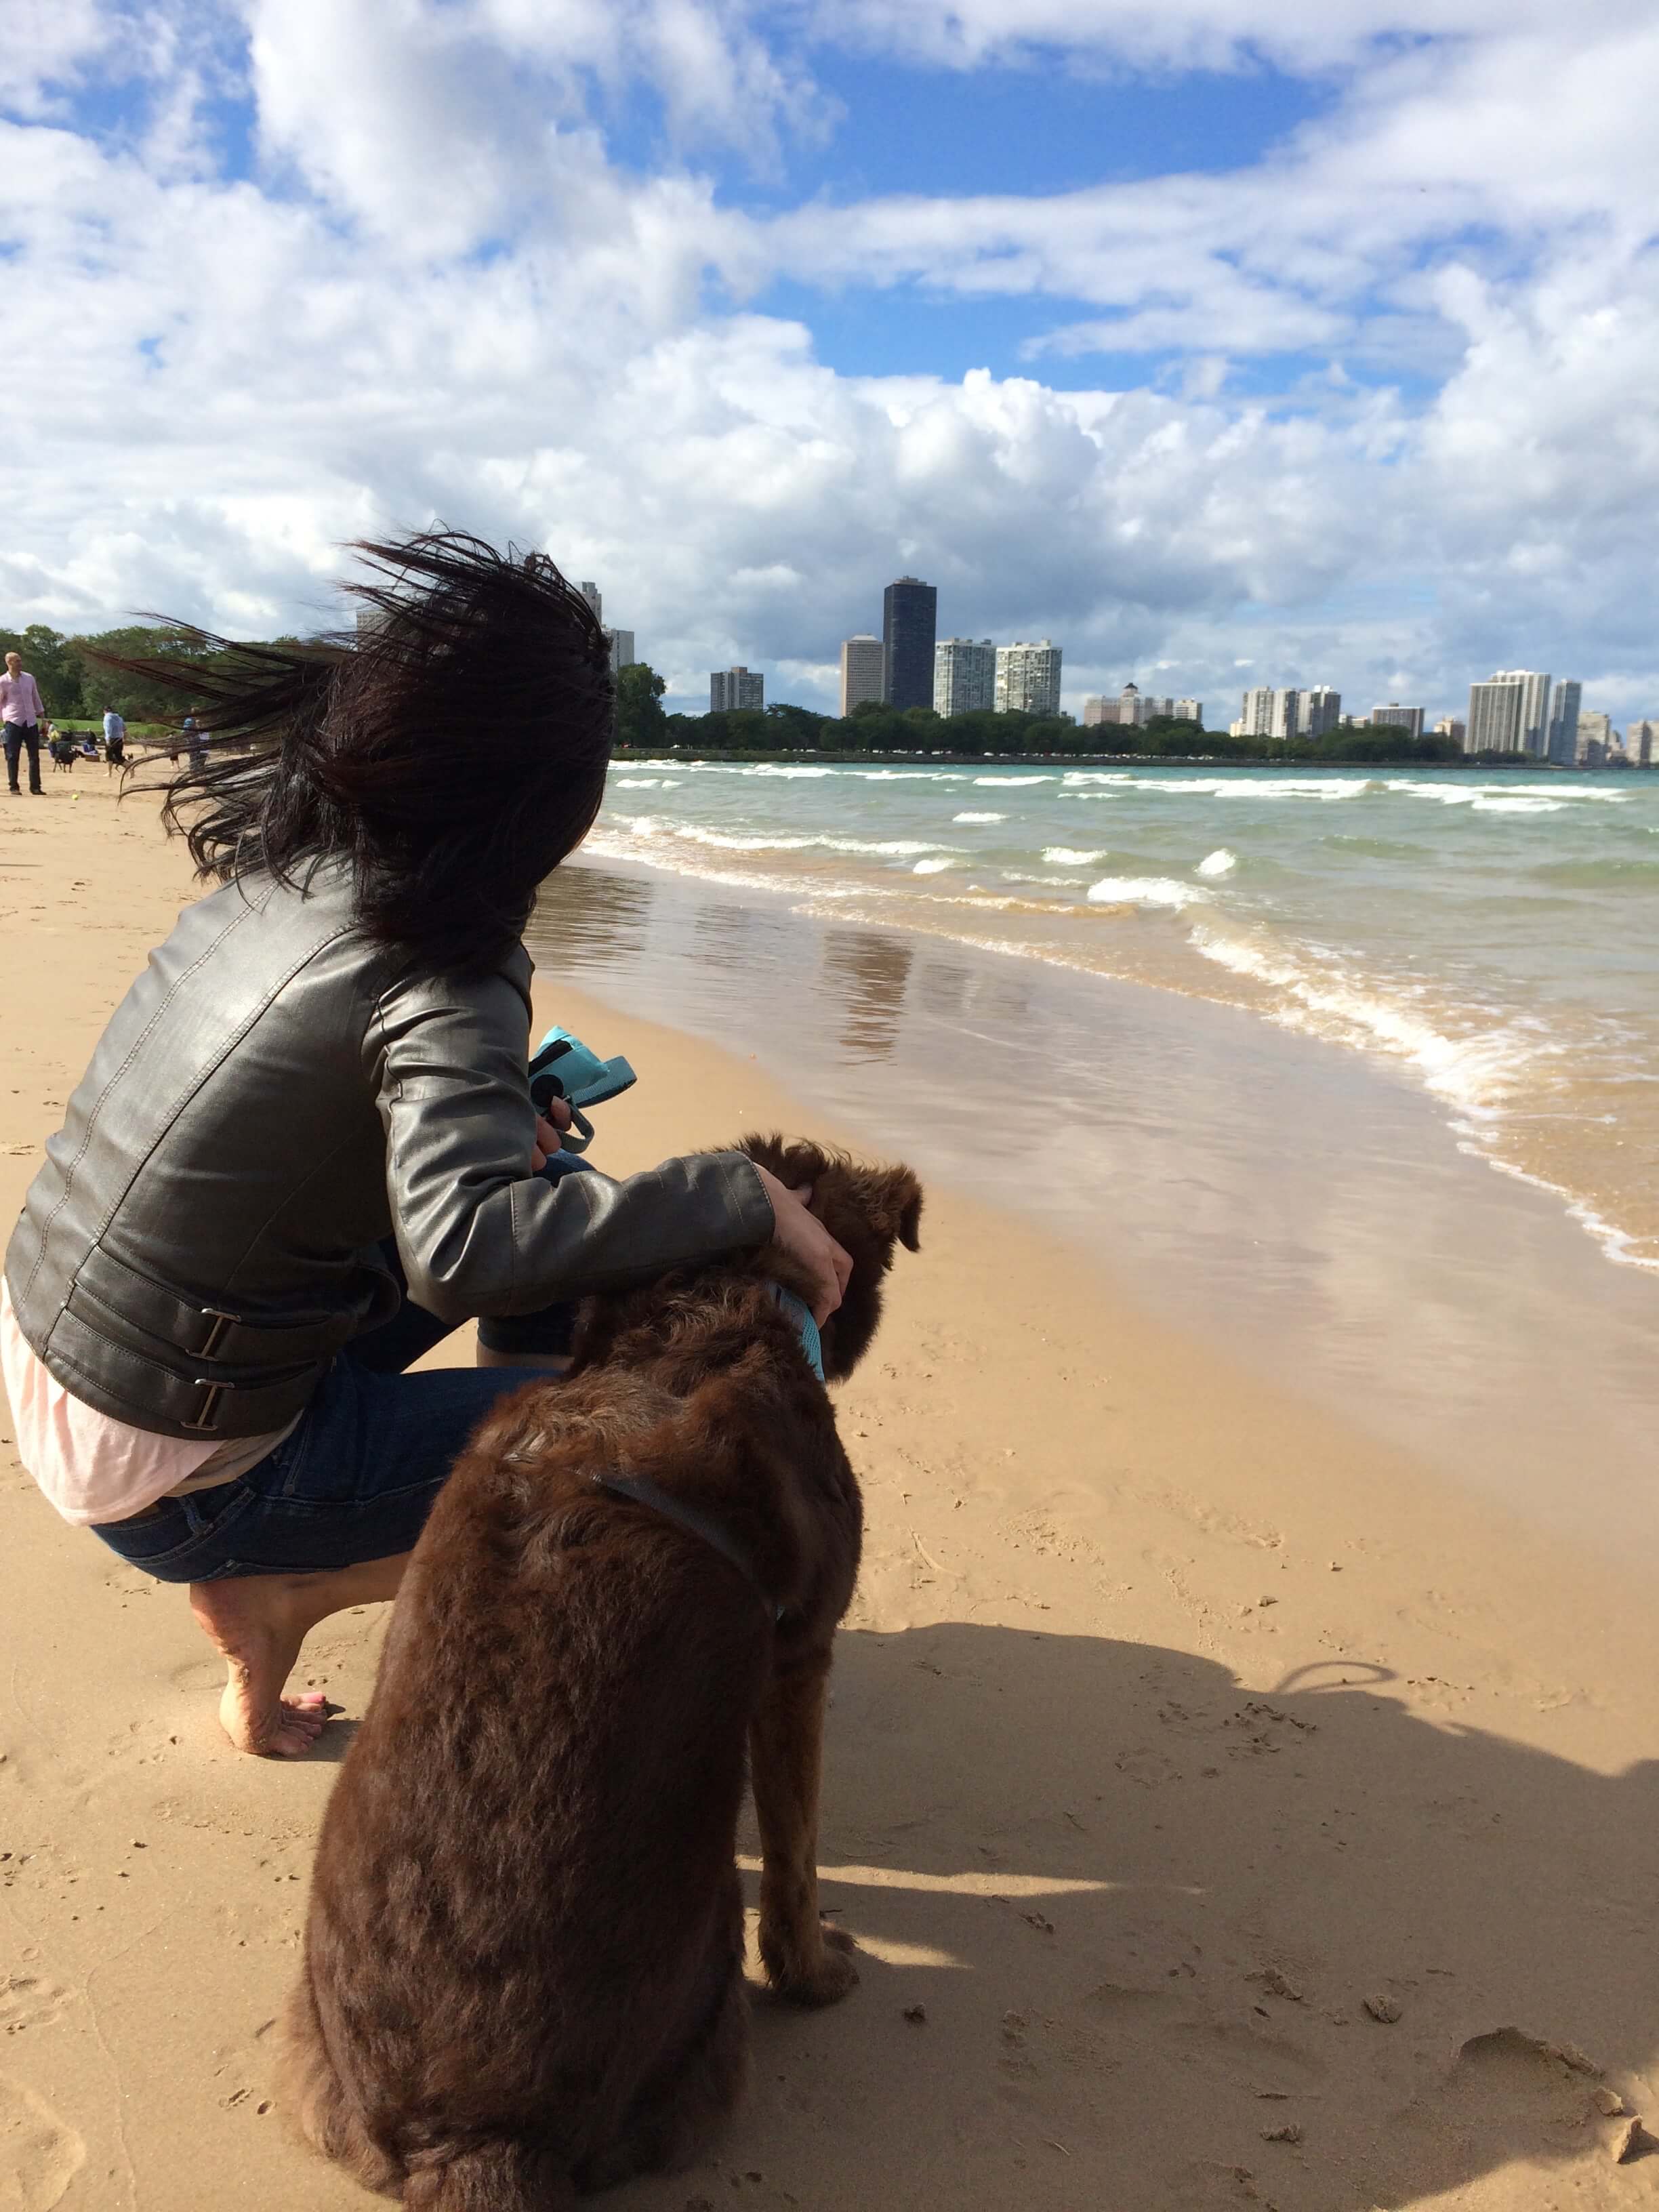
x=476, y=1232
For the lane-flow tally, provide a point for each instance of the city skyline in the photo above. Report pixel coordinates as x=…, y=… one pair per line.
x=1516, y=710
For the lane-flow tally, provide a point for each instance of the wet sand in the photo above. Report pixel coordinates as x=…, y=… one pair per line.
x=1252, y=1815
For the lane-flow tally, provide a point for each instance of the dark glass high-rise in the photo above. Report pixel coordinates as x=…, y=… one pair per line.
x=909, y=620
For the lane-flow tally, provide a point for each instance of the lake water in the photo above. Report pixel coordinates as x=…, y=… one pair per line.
x=1494, y=938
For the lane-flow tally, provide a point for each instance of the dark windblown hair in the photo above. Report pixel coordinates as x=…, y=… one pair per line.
x=452, y=751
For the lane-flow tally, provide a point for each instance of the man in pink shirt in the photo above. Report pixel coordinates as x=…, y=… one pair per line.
x=20, y=714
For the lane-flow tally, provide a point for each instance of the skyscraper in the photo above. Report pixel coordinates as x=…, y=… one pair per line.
x=1190, y=710
x=909, y=620
x=1394, y=716
x=1641, y=742
x=1534, y=707
x=863, y=664
x=591, y=593
x=1494, y=720
x=621, y=642
x=964, y=676
x=1595, y=738
x=1320, y=711
x=731, y=688
x=1287, y=708
x=1028, y=679
x=1257, y=719
x=1563, y=722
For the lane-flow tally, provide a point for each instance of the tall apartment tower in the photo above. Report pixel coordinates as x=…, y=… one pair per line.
x=731, y=688
x=1494, y=717
x=1563, y=722
x=1394, y=716
x=591, y=594
x=1098, y=709
x=1595, y=738
x=1287, y=711
x=1640, y=742
x=909, y=623
x=1534, y=731
x=1257, y=719
x=621, y=642
x=1028, y=679
x=964, y=676
x=1318, y=711
x=1190, y=710
x=863, y=673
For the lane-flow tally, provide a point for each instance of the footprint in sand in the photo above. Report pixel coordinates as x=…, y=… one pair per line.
x=39, y=2156
x=27, y=2000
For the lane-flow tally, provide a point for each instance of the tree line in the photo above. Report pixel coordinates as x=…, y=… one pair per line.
x=642, y=724
x=75, y=688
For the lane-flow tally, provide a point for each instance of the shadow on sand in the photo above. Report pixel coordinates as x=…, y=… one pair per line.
x=1143, y=1910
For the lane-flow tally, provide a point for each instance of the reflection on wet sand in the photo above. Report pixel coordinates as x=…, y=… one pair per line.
x=587, y=915
x=867, y=973
x=724, y=933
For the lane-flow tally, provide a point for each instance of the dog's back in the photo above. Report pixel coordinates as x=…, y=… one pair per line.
x=523, y=1967
x=525, y=1917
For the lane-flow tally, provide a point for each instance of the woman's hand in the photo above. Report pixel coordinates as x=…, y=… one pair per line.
x=548, y=1129
x=805, y=1238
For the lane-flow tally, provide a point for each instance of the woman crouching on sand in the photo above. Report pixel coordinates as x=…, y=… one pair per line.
x=306, y=1149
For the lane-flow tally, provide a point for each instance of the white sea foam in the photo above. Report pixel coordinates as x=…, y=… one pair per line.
x=1325, y=790
x=637, y=782
x=1062, y=856
x=979, y=817
x=933, y=867
x=1475, y=1072
x=1472, y=794
x=1143, y=891
x=695, y=834
x=1221, y=862
x=1007, y=782
x=800, y=769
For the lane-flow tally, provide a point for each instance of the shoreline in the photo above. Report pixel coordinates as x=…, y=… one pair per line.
x=1176, y=1721
x=1298, y=1208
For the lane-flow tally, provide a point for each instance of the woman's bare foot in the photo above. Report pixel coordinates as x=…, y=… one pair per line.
x=257, y=1623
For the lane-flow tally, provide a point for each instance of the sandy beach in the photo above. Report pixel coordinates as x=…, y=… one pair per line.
x=1230, y=1809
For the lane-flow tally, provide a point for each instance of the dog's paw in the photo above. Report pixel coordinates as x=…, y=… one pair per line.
x=827, y=1980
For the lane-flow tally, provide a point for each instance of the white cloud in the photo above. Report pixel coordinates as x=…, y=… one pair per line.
x=443, y=297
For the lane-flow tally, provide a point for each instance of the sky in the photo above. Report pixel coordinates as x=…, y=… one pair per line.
x=1223, y=341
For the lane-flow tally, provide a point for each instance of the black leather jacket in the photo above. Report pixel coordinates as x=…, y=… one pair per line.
x=273, y=1098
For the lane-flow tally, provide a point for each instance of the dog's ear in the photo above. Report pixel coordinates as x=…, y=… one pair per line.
x=790, y=1158
x=901, y=1208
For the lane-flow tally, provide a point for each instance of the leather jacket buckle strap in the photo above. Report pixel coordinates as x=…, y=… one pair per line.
x=218, y=1321
x=205, y=1421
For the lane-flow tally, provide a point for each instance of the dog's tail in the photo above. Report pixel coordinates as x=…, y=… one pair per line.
x=501, y=2176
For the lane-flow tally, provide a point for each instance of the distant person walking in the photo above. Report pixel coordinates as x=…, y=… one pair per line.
x=115, y=738
x=195, y=738
x=21, y=711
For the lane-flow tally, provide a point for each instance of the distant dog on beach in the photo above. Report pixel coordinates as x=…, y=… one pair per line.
x=523, y=1974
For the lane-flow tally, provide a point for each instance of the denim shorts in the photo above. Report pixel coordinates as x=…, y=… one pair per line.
x=357, y=1478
